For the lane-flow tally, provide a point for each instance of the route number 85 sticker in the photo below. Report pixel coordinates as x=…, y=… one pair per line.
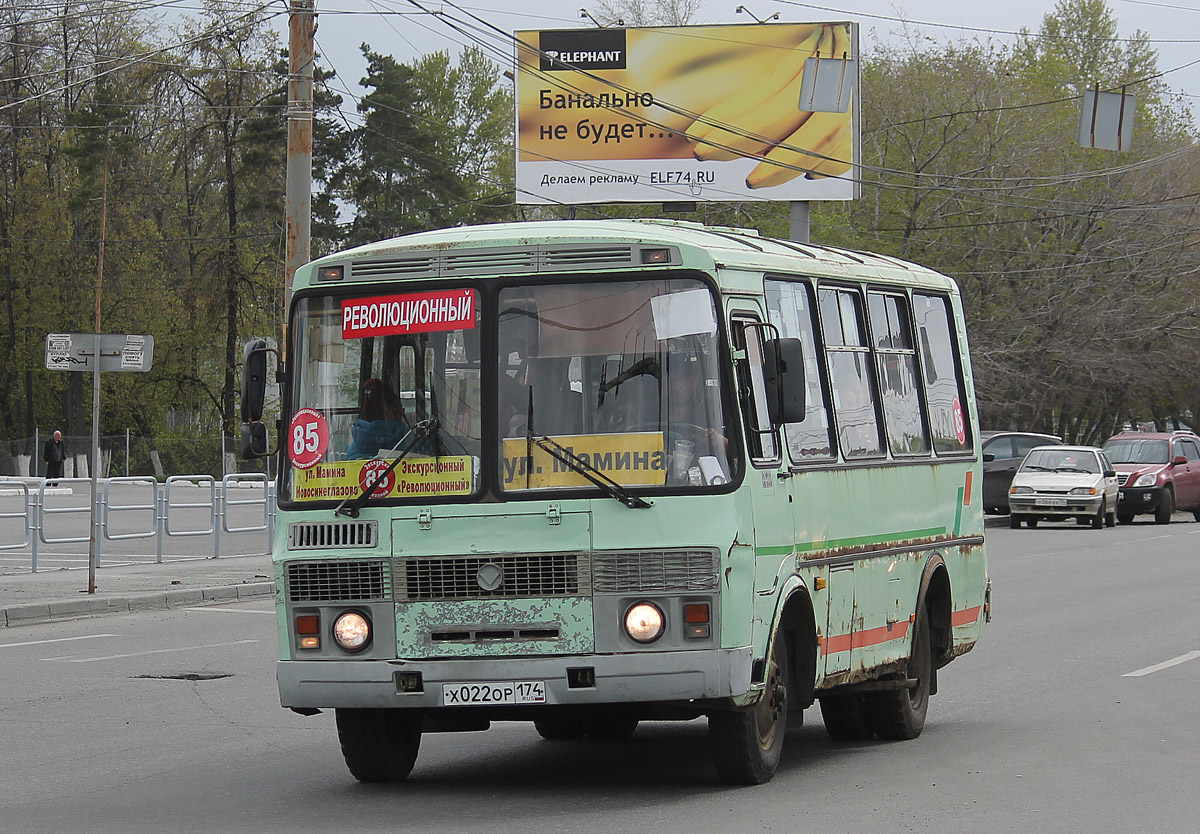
x=308, y=438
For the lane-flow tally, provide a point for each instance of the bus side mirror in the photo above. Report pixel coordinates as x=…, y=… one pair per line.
x=254, y=441
x=254, y=379
x=783, y=369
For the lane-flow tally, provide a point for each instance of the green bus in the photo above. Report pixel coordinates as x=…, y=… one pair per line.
x=593, y=473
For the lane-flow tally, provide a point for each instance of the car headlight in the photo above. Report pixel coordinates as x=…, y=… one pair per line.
x=352, y=631
x=1083, y=491
x=644, y=622
x=1021, y=490
x=1146, y=480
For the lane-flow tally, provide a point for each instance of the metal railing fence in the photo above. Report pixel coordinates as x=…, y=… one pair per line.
x=157, y=501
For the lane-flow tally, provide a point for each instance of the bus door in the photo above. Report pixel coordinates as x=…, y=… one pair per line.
x=774, y=539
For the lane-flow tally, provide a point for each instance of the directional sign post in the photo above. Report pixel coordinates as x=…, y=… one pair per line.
x=97, y=352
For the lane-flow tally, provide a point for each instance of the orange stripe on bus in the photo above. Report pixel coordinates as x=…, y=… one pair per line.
x=869, y=637
x=967, y=489
x=875, y=636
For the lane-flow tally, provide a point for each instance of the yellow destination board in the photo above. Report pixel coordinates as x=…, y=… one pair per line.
x=632, y=459
x=412, y=478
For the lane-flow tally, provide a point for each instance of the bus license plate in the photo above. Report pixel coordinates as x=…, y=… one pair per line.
x=1050, y=502
x=500, y=692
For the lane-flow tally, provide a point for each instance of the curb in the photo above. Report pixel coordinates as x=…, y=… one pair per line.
x=81, y=609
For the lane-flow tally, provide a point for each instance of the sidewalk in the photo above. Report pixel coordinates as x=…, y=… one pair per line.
x=56, y=595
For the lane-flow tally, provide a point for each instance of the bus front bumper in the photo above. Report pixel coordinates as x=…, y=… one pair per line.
x=624, y=678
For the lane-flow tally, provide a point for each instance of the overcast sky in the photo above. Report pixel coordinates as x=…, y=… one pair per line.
x=394, y=27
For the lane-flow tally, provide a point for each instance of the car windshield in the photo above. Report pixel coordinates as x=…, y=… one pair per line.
x=1060, y=460
x=622, y=374
x=1137, y=451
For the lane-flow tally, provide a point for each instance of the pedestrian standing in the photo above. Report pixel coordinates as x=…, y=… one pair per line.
x=54, y=455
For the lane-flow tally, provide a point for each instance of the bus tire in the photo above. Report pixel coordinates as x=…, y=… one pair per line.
x=559, y=727
x=379, y=745
x=845, y=718
x=746, y=744
x=899, y=715
x=610, y=728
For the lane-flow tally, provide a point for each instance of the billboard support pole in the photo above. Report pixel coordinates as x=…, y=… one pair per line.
x=798, y=230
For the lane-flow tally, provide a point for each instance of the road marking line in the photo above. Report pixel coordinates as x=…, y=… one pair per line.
x=232, y=610
x=152, y=651
x=55, y=640
x=1166, y=664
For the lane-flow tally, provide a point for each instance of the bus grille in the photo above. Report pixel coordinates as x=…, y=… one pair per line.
x=645, y=571
x=340, y=581
x=518, y=575
x=310, y=535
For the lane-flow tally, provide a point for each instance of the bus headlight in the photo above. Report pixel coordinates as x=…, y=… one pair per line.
x=352, y=631
x=644, y=622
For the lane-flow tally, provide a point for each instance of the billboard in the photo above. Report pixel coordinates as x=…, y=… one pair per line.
x=687, y=113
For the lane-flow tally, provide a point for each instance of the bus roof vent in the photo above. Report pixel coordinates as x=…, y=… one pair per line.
x=412, y=266
x=573, y=257
x=323, y=535
x=488, y=262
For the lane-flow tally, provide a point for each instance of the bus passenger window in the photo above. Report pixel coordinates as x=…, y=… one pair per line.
x=790, y=308
x=850, y=373
x=944, y=393
x=896, y=362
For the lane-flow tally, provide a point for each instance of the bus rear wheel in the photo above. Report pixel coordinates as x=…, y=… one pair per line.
x=379, y=745
x=899, y=715
x=845, y=718
x=746, y=744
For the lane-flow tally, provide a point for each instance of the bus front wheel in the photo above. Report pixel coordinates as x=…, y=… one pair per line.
x=746, y=744
x=379, y=745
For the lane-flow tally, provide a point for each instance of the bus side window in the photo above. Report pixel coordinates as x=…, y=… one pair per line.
x=944, y=394
x=752, y=393
x=790, y=308
x=851, y=372
x=896, y=363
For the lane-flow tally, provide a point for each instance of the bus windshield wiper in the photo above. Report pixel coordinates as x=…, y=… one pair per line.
x=577, y=464
x=421, y=431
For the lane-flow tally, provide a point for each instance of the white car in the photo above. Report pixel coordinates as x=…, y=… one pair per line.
x=1056, y=483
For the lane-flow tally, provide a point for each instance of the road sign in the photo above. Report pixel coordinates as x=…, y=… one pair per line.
x=118, y=352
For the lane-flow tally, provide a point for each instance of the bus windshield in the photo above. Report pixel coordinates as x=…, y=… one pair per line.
x=622, y=374
x=384, y=375
x=616, y=378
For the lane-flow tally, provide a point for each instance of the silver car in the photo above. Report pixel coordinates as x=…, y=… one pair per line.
x=1056, y=483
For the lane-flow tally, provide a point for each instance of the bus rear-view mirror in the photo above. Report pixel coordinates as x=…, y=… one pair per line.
x=784, y=371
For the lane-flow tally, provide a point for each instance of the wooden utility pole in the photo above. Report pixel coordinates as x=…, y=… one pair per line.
x=302, y=26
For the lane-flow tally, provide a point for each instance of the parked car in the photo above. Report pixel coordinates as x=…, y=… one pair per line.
x=1058, y=482
x=1003, y=452
x=1159, y=472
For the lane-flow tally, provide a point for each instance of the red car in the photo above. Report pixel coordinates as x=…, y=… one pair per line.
x=1158, y=472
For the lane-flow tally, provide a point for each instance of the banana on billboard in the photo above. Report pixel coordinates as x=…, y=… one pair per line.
x=685, y=113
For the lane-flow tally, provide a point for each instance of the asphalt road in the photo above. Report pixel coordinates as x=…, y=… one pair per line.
x=1076, y=712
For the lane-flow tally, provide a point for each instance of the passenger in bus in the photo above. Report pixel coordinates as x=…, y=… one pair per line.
x=381, y=423
x=688, y=406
